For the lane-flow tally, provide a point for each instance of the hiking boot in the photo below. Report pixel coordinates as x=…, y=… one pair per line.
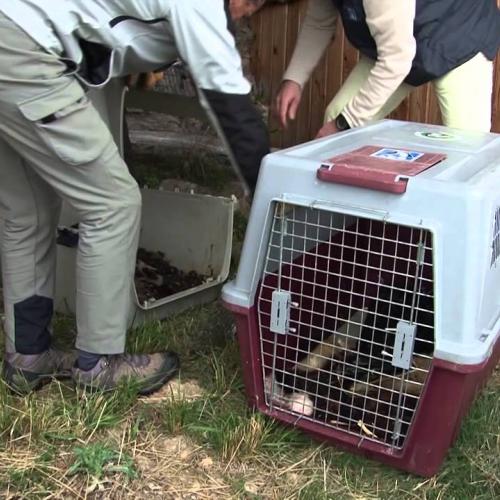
x=24, y=373
x=148, y=371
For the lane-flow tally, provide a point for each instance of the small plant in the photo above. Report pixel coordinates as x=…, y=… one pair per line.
x=97, y=459
x=178, y=414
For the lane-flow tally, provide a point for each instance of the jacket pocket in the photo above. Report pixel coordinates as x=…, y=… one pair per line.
x=68, y=124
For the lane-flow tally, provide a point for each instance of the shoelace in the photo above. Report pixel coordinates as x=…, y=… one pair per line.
x=134, y=360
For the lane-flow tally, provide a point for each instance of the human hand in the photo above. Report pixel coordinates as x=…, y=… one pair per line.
x=144, y=81
x=329, y=128
x=287, y=101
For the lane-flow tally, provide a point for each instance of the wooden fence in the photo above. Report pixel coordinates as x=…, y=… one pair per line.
x=276, y=29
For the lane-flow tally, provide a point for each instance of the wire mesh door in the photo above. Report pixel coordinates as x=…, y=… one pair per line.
x=346, y=321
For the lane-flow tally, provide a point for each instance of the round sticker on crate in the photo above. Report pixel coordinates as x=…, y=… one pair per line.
x=437, y=136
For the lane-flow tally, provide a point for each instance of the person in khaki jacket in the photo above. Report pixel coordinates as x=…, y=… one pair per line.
x=403, y=44
x=54, y=146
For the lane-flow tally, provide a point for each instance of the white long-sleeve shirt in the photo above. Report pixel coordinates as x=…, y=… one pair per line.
x=135, y=36
x=391, y=25
x=103, y=39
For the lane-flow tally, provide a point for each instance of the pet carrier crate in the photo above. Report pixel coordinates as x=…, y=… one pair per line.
x=367, y=298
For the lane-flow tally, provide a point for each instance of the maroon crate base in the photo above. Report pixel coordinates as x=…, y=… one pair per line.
x=449, y=394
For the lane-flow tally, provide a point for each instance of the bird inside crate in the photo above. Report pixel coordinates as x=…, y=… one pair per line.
x=346, y=316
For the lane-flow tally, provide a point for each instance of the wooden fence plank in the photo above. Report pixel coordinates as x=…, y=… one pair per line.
x=302, y=122
x=279, y=24
x=496, y=97
x=294, y=14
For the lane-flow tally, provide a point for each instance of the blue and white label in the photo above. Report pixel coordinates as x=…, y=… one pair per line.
x=398, y=154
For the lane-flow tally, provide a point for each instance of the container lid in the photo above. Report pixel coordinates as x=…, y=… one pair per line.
x=378, y=167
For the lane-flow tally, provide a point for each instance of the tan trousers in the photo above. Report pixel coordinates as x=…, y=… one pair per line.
x=464, y=94
x=54, y=146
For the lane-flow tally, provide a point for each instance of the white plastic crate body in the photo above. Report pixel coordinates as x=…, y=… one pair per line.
x=455, y=200
x=198, y=238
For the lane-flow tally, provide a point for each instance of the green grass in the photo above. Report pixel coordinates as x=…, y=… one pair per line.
x=209, y=170
x=113, y=443
x=97, y=459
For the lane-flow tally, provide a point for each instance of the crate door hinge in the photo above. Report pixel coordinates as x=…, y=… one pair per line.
x=403, y=345
x=280, y=312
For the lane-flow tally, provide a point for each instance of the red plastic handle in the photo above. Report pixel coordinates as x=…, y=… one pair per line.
x=369, y=179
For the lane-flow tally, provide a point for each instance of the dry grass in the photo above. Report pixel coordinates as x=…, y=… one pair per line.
x=195, y=439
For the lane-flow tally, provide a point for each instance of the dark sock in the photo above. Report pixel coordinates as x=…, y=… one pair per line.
x=87, y=360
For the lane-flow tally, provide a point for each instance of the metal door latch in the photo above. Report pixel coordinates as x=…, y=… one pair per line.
x=280, y=312
x=403, y=345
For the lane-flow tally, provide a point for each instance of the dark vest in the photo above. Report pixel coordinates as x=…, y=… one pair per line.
x=448, y=34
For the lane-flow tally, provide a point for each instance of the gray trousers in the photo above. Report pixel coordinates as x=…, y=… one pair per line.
x=54, y=146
